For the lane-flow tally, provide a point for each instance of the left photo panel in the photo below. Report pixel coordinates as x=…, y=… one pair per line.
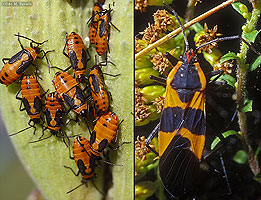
x=67, y=100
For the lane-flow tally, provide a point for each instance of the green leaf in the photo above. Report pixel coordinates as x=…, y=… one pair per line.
x=228, y=56
x=236, y=6
x=255, y=64
x=257, y=151
x=229, y=79
x=225, y=135
x=45, y=160
x=240, y=157
x=251, y=36
x=247, y=106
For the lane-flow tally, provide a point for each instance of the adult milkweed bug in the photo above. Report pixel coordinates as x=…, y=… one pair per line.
x=70, y=92
x=83, y=160
x=97, y=8
x=78, y=55
x=182, y=124
x=18, y=64
x=103, y=31
x=104, y=132
x=31, y=99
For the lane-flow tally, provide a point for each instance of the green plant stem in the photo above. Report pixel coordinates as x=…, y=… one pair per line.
x=242, y=94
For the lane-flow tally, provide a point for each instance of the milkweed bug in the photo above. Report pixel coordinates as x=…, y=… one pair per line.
x=18, y=64
x=103, y=31
x=83, y=160
x=54, y=114
x=104, y=133
x=182, y=124
x=70, y=92
x=97, y=8
x=100, y=96
x=32, y=101
x=78, y=55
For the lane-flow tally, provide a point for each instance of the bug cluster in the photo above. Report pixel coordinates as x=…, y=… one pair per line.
x=89, y=102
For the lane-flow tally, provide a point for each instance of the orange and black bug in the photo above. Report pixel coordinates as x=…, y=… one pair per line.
x=104, y=131
x=18, y=64
x=70, y=92
x=103, y=31
x=97, y=8
x=83, y=160
x=182, y=124
x=100, y=96
x=54, y=115
x=78, y=55
x=31, y=99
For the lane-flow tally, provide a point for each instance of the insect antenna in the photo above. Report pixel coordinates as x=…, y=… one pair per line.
x=21, y=130
x=182, y=29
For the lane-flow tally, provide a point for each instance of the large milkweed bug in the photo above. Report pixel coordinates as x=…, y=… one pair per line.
x=32, y=101
x=103, y=31
x=97, y=8
x=100, y=96
x=78, y=55
x=70, y=92
x=83, y=160
x=54, y=114
x=18, y=64
x=182, y=124
x=104, y=133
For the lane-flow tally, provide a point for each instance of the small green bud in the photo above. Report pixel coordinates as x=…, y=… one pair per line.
x=143, y=62
x=142, y=76
x=243, y=8
x=144, y=189
x=153, y=91
x=245, y=28
x=153, y=116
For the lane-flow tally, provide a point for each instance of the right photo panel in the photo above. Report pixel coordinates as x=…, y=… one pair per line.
x=197, y=107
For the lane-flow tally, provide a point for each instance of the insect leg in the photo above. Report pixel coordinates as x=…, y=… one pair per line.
x=150, y=138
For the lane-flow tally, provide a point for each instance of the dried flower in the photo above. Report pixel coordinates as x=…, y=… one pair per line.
x=137, y=45
x=159, y=102
x=141, y=5
x=210, y=34
x=150, y=34
x=226, y=66
x=141, y=149
x=141, y=110
x=162, y=21
x=160, y=62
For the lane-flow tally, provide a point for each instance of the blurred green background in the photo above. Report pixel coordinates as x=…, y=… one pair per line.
x=15, y=183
